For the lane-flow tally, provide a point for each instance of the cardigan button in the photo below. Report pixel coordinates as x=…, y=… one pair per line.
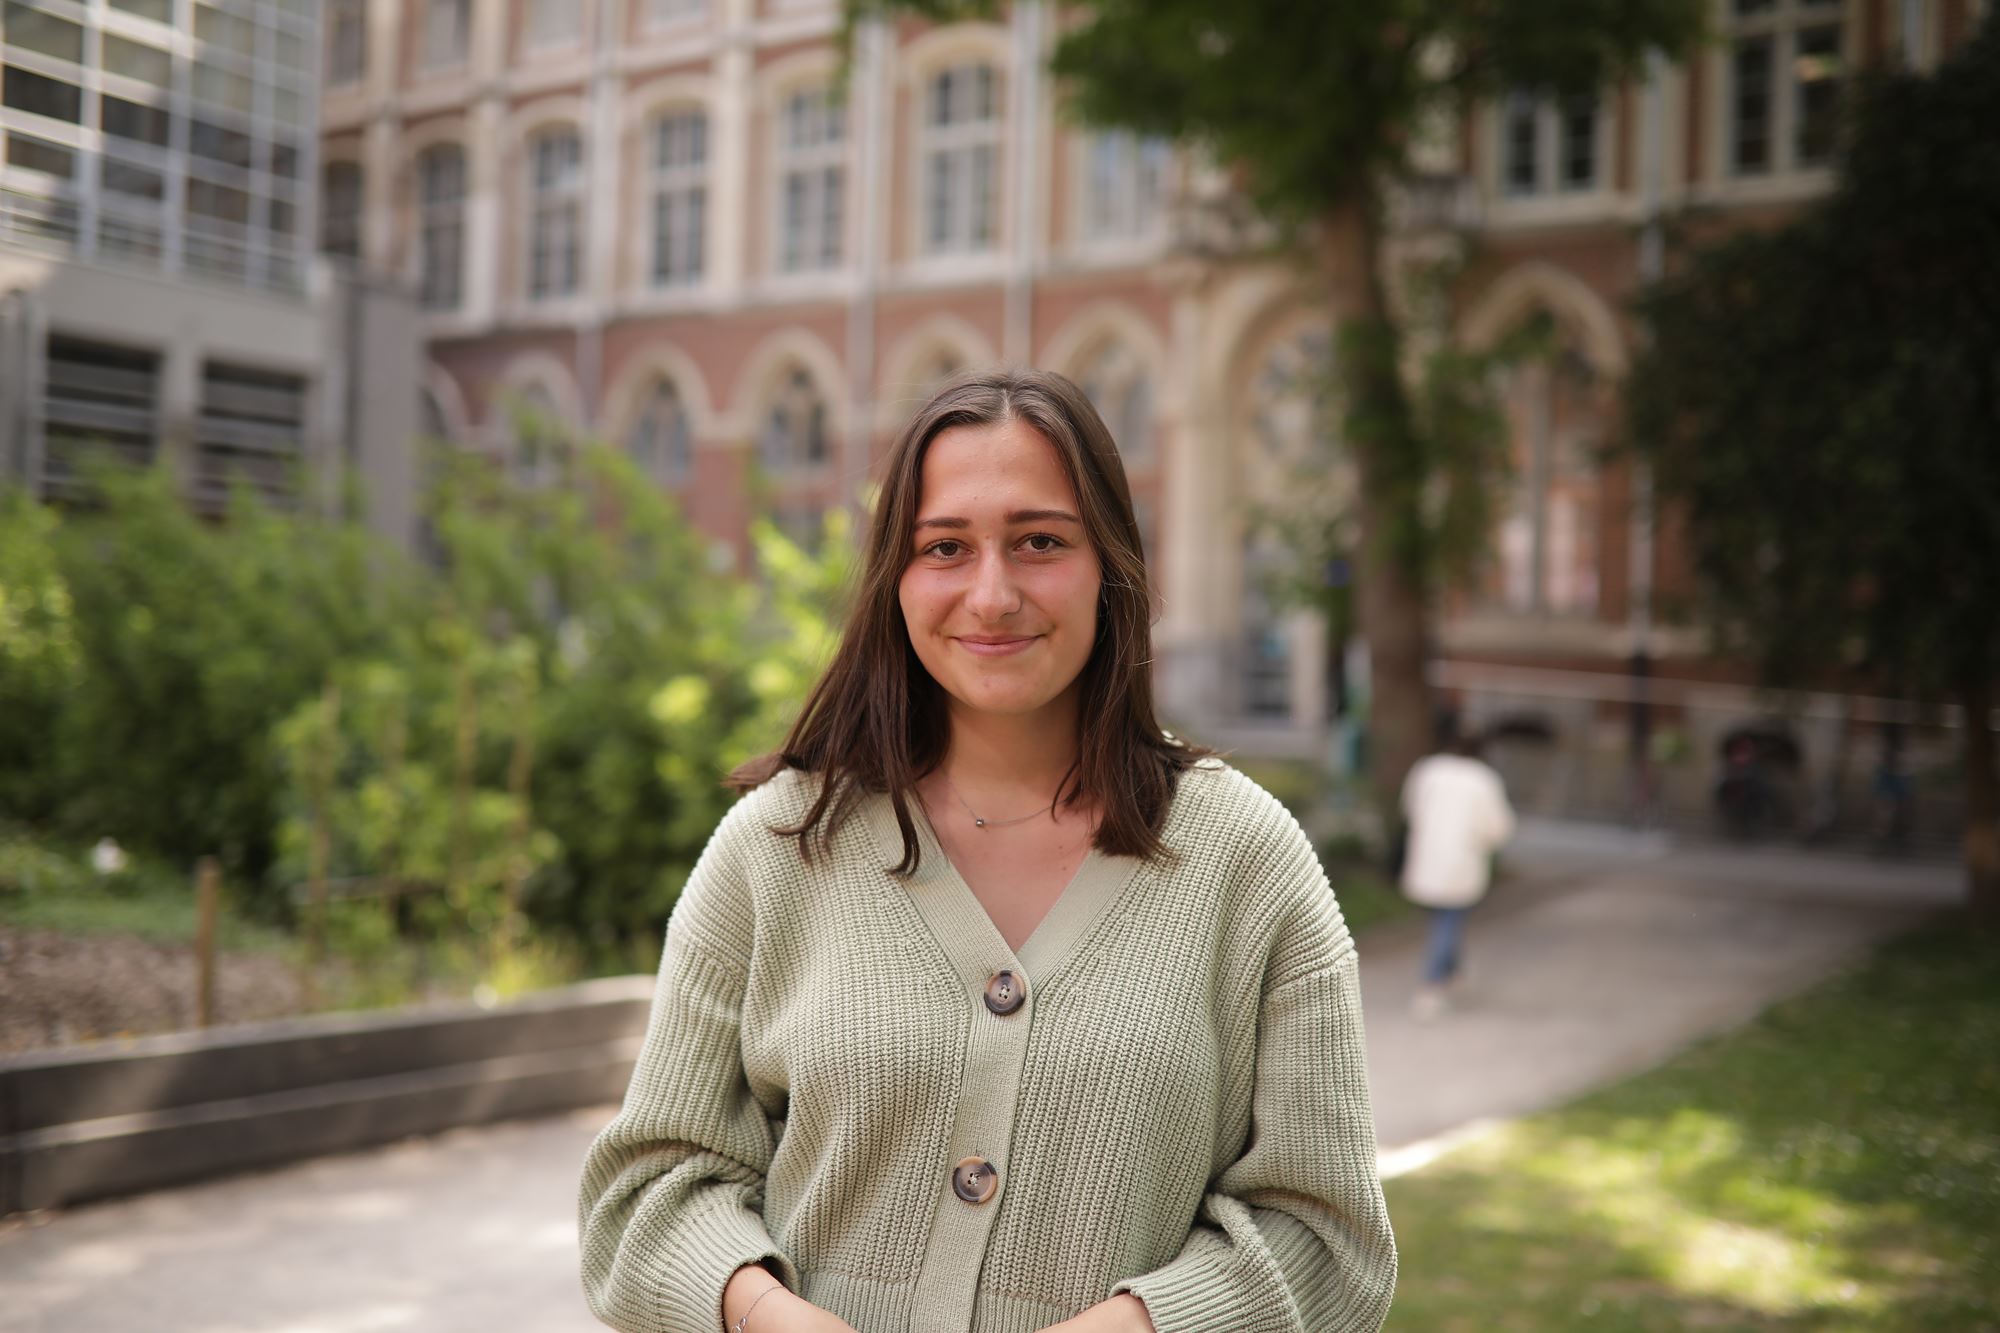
x=1005, y=993
x=974, y=1180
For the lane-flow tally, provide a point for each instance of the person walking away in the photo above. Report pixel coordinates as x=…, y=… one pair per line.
x=1457, y=813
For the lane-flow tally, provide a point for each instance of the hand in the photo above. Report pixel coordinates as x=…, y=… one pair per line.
x=779, y=1311
x=1123, y=1313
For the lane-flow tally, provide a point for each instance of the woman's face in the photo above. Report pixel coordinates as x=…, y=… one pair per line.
x=1000, y=593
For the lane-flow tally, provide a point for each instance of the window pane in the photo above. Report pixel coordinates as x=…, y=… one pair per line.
x=1579, y=143
x=29, y=28
x=229, y=147
x=1750, y=112
x=224, y=88
x=136, y=181
x=130, y=120
x=1520, y=171
x=40, y=155
x=42, y=96
x=135, y=60
x=205, y=199
x=1818, y=73
x=284, y=161
x=224, y=30
x=161, y=11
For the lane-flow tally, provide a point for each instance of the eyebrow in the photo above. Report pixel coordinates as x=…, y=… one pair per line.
x=1018, y=516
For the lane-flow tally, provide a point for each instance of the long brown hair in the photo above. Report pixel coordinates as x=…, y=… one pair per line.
x=876, y=721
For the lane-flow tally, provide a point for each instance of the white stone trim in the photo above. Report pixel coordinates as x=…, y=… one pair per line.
x=440, y=384
x=945, y=331
x=1112, y=320
x=659, y=360
x=526, y=371
x=757, y=378
x=1540, y=283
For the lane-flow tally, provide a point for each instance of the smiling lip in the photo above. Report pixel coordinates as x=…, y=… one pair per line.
x=995, y=647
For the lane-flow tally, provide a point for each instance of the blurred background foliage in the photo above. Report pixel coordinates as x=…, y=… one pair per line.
x=524, y=733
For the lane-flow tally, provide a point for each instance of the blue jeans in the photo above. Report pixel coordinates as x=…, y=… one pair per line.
x=1441, y=955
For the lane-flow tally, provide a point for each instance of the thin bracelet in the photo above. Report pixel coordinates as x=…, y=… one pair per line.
x=744, y=1318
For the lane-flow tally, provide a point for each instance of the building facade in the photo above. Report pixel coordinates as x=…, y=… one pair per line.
x=160, y=294
x=660, y=223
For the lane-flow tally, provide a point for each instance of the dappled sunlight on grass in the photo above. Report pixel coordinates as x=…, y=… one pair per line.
x=1829, y=1167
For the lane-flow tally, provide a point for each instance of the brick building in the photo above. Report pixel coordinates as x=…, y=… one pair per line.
x=654, y=222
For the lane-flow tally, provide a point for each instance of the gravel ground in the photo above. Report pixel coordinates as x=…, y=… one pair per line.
x=57, y=989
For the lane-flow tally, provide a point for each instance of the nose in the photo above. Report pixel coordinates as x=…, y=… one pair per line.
x=993, y=595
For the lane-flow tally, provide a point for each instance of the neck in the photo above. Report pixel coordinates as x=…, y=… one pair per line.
x=1012, y=760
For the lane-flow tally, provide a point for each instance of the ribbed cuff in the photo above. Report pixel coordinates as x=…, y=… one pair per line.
x=712, y=1246
x=1196, y=1293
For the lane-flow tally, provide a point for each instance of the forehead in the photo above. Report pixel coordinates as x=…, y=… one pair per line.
x=1008, y=462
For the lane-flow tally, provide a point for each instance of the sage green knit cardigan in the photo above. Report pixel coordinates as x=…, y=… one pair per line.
x=1178, y=1110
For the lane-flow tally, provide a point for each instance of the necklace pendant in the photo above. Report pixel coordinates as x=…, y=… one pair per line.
x=979, y=823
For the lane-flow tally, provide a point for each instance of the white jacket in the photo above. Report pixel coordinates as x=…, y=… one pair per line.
x=1458, y=815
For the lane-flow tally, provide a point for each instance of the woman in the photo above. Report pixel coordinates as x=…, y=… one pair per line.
x=993, y=1007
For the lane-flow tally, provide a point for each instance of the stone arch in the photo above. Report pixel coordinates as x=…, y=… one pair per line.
x=760, y=373
x=655, y=361
x=1520, y=290
x=906, y=378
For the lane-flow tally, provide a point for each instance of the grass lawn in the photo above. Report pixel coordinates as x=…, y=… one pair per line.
x=1835, y=1165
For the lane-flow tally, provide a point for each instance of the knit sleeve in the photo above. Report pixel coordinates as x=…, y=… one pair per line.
x=1294, y=1236
x=672, y=1193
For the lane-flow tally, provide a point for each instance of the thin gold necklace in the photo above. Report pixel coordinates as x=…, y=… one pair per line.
x=977, y=822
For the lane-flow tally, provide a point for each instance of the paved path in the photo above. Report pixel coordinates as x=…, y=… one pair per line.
x=1608, y=955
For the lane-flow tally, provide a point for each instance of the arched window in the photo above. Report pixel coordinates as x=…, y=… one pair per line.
x=661, y=440
x=541, y=442
x=1291, y=469
x=1121, y=391
x=555, y=214
x=1547, y=535
x=680, y=197
x=795, y=430
x=812, y=181
x=441, y=226
x=961, y=160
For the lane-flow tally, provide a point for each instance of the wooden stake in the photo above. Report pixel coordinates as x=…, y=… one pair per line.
x=207, y=881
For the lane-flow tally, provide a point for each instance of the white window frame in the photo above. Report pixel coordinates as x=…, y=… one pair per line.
x=673, y=453
x=440, y=231
x=664, y=15
x=1548, y=120
x=346, y=43
x=1111, y=376
x=958, y=143
x=1781, y=23
x=791, y=457
x=447, y=38
x=551, y=25
x=555, y=215
x=677, y=200
x=809, y=152
x=1122, y=183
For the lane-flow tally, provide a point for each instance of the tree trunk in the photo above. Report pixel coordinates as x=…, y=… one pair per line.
x=1389, y=574
x=1982, y=803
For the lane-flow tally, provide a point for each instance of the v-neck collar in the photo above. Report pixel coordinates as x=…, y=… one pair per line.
x=966, y=934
